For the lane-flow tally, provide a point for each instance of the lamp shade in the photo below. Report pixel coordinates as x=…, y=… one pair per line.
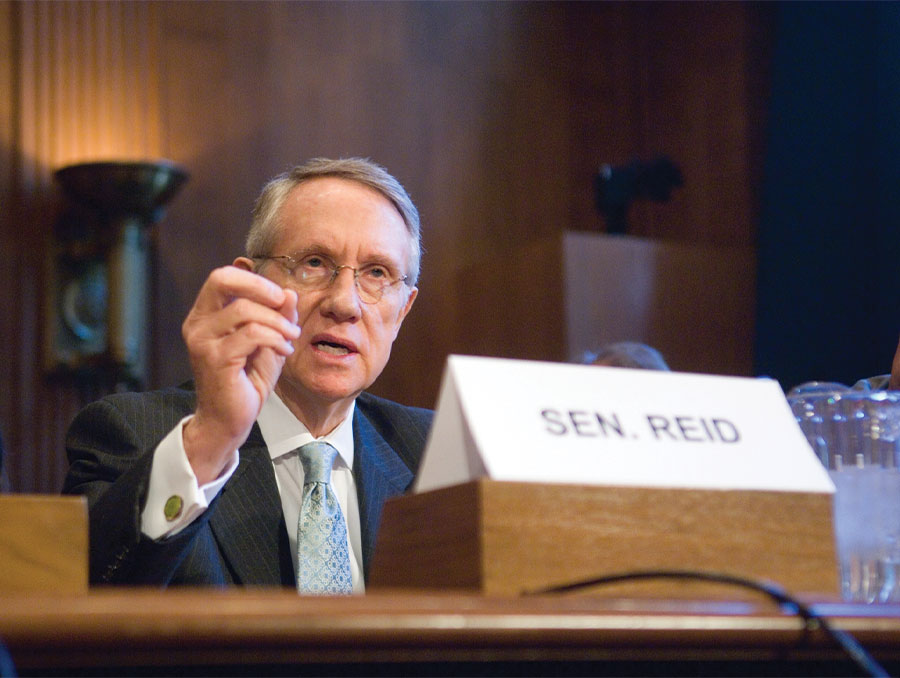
x=122, y=187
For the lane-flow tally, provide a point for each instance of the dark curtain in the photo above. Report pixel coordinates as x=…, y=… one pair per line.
x=829, y=235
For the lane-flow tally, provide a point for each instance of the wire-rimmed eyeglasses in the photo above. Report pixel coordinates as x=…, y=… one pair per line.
x=317, y=272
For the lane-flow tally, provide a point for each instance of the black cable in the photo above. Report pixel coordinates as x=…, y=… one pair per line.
x=813, y=621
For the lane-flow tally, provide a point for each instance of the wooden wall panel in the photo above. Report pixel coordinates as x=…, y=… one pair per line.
x=494, y=115
x=688, y=80
x=81, y=82
x=687, y=300
x=9, y=310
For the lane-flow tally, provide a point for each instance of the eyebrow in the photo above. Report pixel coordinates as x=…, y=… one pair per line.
x=312, y=249
x=378, y=258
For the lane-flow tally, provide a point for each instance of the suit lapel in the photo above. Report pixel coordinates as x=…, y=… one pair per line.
x=380, y=474
x=248, y=522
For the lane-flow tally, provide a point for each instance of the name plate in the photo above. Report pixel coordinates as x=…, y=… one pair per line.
x=530, y=421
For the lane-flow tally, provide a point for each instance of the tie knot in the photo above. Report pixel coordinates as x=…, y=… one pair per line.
x=317, y=459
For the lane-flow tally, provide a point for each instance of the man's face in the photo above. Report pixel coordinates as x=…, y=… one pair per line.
x=344, y=343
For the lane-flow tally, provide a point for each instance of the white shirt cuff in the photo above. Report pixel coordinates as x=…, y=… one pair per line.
x=174, y=499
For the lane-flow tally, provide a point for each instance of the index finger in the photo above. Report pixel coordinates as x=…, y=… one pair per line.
x=228, y=283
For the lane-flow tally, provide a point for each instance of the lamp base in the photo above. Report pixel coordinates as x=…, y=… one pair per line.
x=96, y=306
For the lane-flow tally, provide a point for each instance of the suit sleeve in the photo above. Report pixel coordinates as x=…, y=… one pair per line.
x=110, y=447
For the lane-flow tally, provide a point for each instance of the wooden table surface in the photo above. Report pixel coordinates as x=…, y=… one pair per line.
x=220, y=630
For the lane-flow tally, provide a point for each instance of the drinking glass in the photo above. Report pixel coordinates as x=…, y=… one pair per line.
x=855, y=435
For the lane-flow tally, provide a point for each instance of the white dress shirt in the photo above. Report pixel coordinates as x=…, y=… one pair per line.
x=171, y=475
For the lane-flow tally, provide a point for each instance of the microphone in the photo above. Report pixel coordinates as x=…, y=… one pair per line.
x=615, y=188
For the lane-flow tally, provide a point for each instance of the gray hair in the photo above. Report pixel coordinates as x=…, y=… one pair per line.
x=627, y=354
x=265, y=227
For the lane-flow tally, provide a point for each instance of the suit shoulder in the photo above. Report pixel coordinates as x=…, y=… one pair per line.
x=136, y=411
x=398, y=424
x=382, y=409
x=404, y=428
x=175, y=398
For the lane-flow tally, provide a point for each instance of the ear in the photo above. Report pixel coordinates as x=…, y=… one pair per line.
x=413, y=293
x=244, y=262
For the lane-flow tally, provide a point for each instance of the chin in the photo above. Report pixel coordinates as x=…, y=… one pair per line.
x=335, y=389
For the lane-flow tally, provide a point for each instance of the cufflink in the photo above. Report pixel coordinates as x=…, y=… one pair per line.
x=173, y=507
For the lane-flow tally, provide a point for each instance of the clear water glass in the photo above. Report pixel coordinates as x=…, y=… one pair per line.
x=856, y=435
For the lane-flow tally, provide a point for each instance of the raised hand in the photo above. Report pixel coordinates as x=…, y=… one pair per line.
x=238, y=334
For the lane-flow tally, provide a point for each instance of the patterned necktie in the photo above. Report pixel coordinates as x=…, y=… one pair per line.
x=323, y=564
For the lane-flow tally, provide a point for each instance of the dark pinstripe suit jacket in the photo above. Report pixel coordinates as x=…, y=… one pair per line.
x=241, y=539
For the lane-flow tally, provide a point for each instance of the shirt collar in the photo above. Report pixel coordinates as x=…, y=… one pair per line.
x=283, y=432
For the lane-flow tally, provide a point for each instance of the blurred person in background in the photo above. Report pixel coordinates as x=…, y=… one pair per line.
x=626, y=354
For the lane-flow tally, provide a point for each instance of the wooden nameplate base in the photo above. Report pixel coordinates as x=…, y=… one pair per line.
x=507, y=538
x=43, y=544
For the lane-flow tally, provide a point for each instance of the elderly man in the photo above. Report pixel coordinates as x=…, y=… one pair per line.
x=273, y=467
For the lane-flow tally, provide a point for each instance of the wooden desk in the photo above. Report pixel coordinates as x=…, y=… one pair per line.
x=276, y=632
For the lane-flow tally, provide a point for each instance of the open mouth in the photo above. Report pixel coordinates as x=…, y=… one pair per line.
x=332, y=348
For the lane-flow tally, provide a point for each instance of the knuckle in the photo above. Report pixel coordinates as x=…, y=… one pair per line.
x=218, y=275
x=188, y=331
x=241, y=306
x=251, y=331
x=255, y=332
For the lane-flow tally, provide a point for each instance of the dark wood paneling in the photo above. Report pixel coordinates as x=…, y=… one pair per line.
x=494, y=115
x=73, y=81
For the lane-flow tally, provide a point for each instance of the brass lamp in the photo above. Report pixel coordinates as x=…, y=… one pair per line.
x=97, y=305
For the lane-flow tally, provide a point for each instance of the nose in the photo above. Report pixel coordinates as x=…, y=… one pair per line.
x=342, y=300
